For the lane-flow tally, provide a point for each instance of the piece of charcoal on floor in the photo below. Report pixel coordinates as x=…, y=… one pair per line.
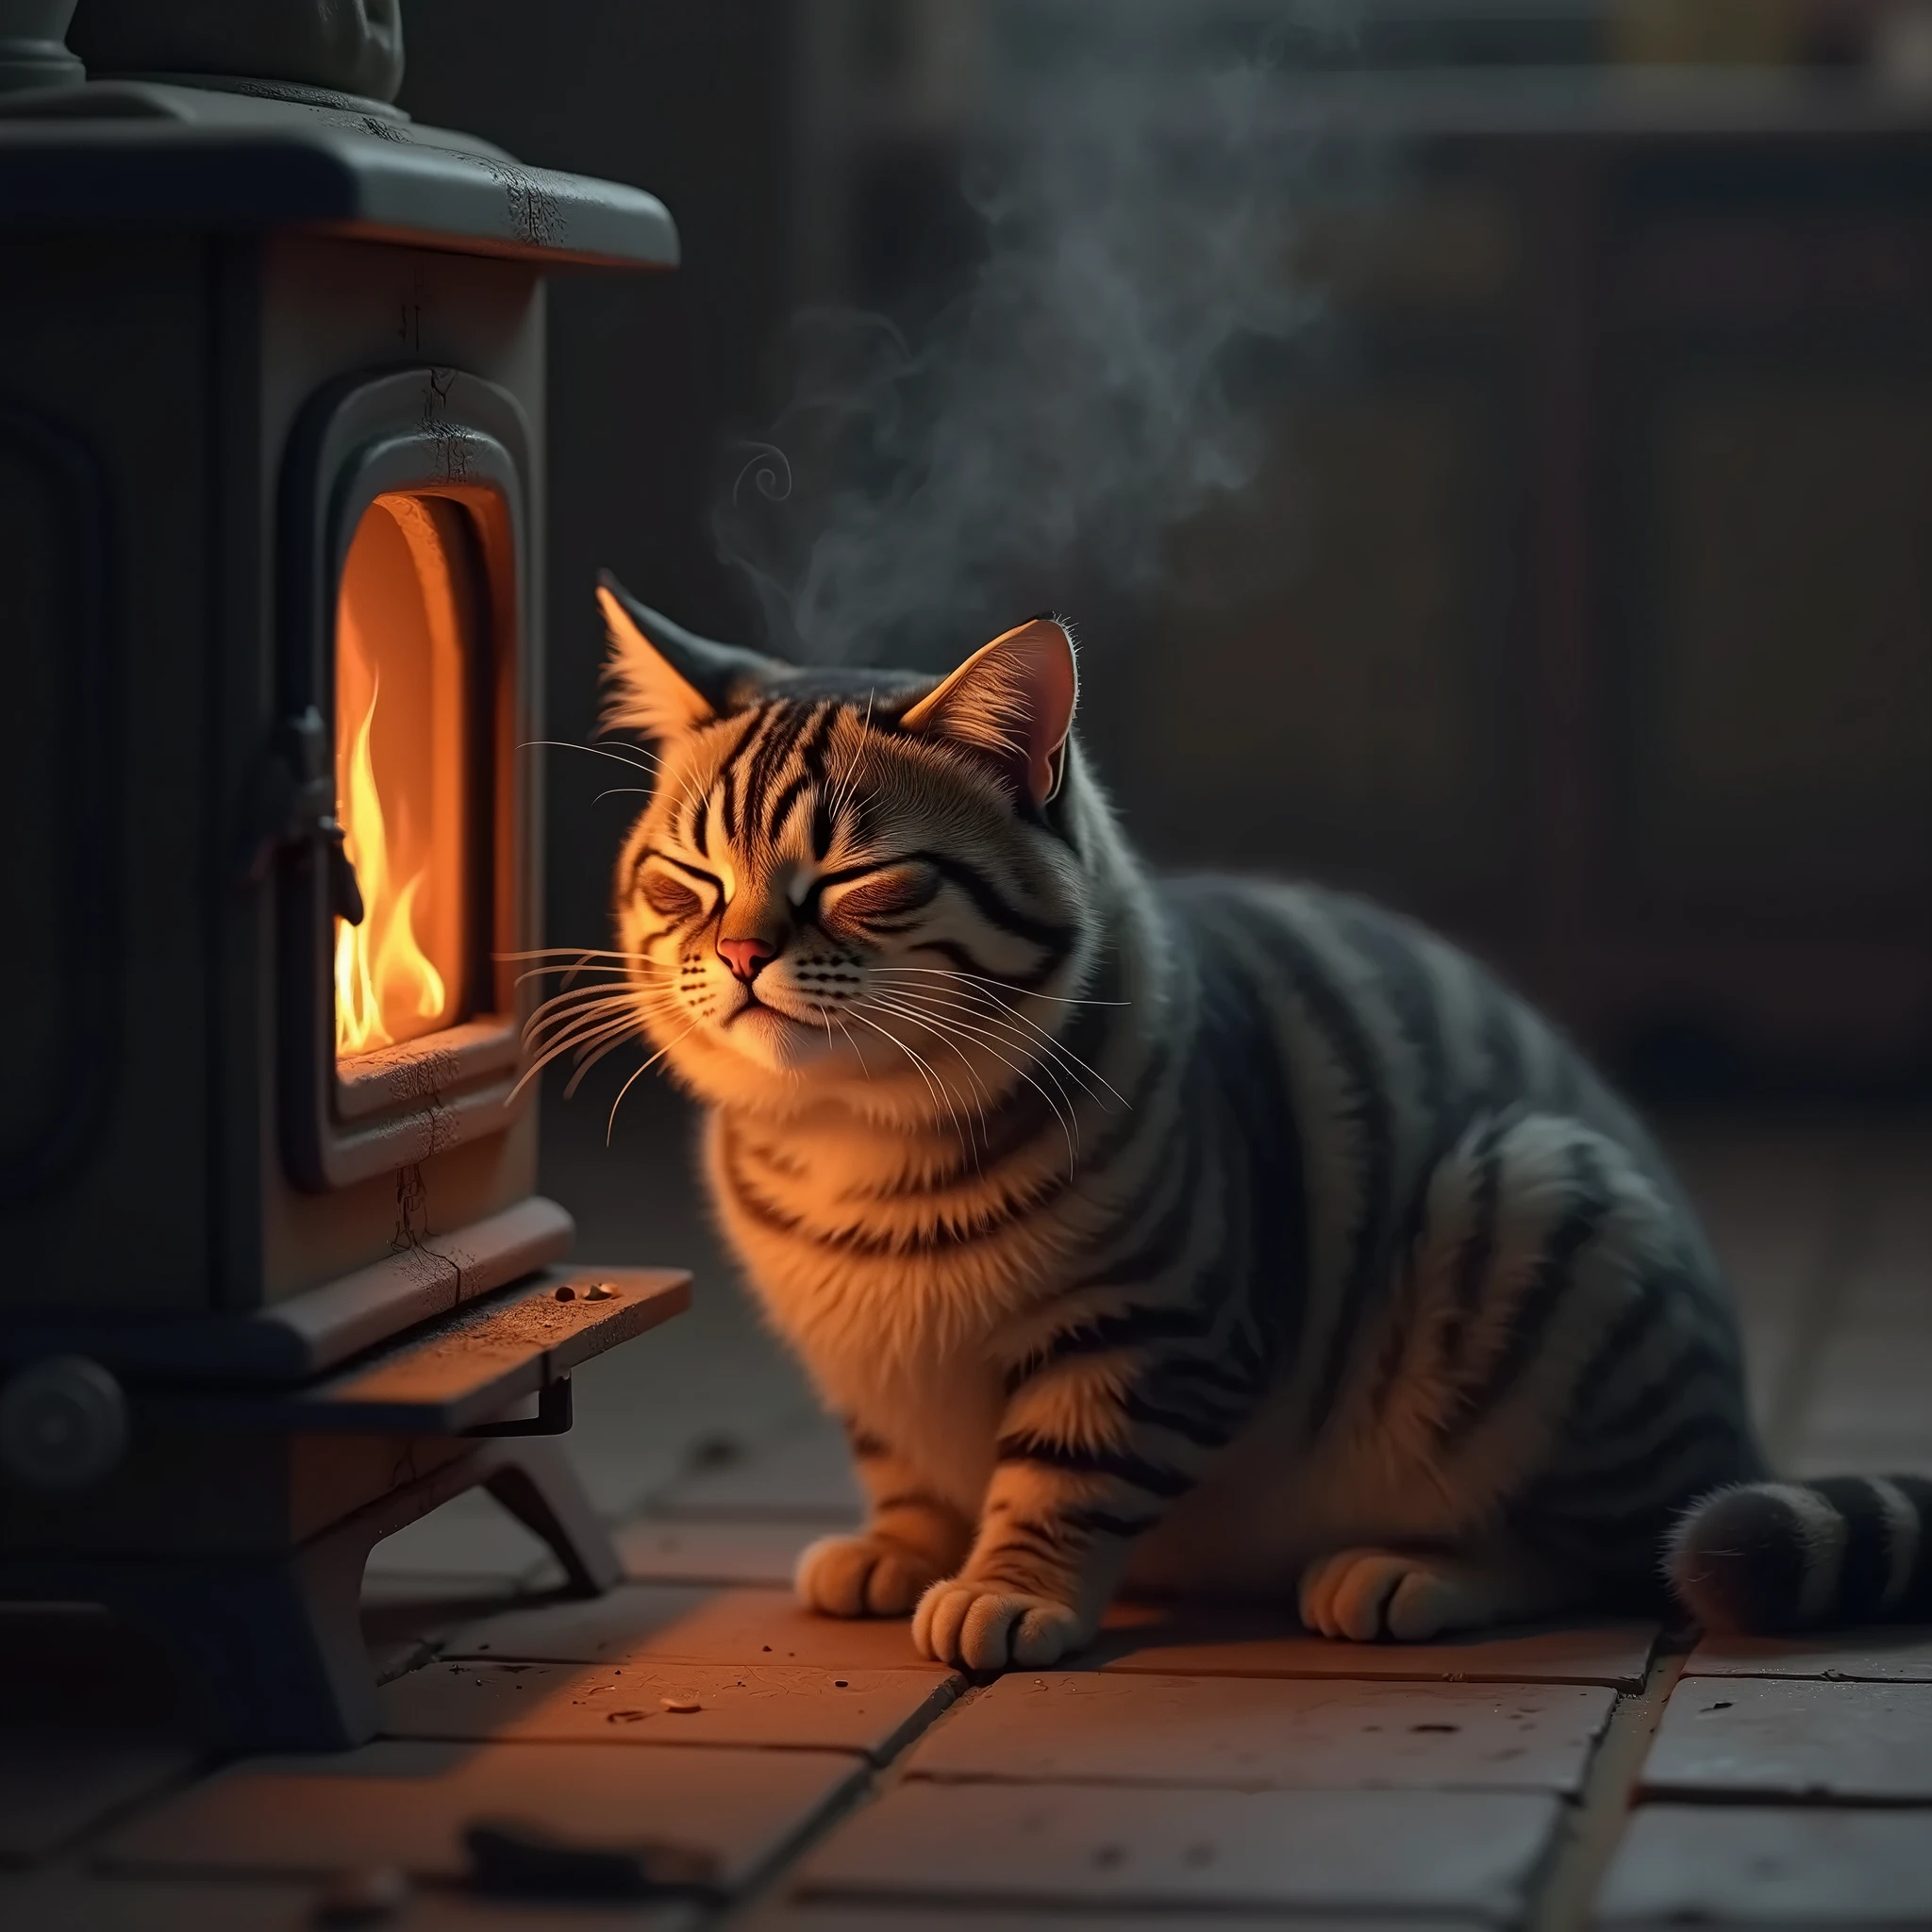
x=515, y=1859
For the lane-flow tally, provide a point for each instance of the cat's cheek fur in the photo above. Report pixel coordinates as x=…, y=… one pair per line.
x=774, y=1045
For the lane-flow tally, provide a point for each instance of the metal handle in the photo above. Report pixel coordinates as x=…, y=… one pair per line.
x=553, y=1417
x=294, y=804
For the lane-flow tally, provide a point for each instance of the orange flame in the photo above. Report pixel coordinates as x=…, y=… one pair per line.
x=399, y=776
x=381, y=971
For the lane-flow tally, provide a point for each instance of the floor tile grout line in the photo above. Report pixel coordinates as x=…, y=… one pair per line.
x=1594, y=1825
x=1659, y=1680
x=881, y=1777
x=83, y=1846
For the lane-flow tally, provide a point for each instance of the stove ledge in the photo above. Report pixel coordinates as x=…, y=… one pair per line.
x=137, y=153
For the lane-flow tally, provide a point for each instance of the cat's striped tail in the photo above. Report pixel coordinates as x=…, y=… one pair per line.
x=1768, y=1557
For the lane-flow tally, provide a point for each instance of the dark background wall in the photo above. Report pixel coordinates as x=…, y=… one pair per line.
x=1608, y=638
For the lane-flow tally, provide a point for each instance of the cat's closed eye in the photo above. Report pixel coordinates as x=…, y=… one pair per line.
x=667, y=894
x=886, y=894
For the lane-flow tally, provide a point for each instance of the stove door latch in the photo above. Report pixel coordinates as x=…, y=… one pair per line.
x=292, y=808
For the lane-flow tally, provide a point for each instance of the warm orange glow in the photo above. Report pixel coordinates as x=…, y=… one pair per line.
x=399, y=774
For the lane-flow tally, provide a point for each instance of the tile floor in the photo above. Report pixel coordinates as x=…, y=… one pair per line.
x=1196, y=1769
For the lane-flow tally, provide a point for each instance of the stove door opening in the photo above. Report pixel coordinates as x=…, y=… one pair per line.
x=410, y=642
x=406, y=622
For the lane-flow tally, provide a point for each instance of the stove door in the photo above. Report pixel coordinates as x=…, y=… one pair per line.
x=410, y=691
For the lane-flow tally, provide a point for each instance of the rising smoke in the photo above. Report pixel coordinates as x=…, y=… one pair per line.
x=1138, y=195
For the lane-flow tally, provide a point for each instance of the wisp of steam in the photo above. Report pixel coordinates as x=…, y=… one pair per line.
x=1139, y=195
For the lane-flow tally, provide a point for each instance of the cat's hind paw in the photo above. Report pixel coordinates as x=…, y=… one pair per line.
x=979, y=1627
x=860, y=1577
x=1366, y=1594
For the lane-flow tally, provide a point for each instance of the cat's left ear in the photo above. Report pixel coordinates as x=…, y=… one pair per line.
x=1012, y=701
x=663, y=679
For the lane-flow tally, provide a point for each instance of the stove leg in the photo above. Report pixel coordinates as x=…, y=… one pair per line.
x=534, y=1480
x=271, y=1653
x=269, y=1647
x=268, y=1650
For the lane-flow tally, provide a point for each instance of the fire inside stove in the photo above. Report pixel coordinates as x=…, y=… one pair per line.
x=403, y=623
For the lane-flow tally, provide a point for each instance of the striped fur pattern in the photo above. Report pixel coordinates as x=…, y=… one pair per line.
x=1784, y=1556
x=1226, y=1239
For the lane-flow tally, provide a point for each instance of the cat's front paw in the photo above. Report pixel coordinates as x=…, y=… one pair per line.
x=860, y=1577
x=1366, y=1594
x=981, y=1627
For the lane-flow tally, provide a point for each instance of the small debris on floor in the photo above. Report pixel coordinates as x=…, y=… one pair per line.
x=685, y=1703
x=600, y=1292
x=566, y=1293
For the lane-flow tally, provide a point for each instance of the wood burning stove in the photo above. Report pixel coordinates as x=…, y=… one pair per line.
x=271, y=554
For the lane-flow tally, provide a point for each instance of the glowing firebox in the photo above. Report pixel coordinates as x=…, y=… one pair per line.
x=400, y=772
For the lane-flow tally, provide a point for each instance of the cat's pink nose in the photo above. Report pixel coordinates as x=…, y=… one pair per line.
x=746, y=957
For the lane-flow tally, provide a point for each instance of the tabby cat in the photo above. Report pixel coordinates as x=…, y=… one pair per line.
x=1191, y=1236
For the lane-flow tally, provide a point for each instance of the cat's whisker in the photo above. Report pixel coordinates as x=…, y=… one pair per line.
x=595, y=979
x=562, y=971
x=971, y=986
x=855, y=1046
x=561, y=1007
x=576, y=1033
x=579, y=1035
x=585, y=1042
x=1006, y=985
x=565, y=1029
x=642, y=993
x=936, y=1026
x=825, y=1021
x=962, y=1029
x=537, y=1066
x=941, y=1093
x=1022, y=1033
x=587, y=1058
x=610, y=1125
x=992, y=1036
x=959, y=1045
x=1068, y=1121
x=568, y=953
x=604, y=990
x=587, y=996
x=616, y=1029
x=568, y=962
x=573, y=998
x=634, y=755
x=615, y=1024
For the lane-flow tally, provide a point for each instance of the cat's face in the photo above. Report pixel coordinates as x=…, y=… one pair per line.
x=844, y=878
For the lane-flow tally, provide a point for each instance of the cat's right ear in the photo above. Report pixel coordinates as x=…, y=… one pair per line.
x=664, y=681
x=1012, y=702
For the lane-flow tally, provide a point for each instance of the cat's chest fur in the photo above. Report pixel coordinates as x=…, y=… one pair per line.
x=935, y=1399
x=913, y=1351
x=904, y=1347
